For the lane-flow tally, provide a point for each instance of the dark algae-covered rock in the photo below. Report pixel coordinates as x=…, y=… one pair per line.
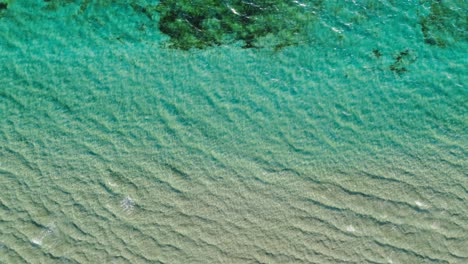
x=446, y=22
x=3, y=5
x=376, y=53
x=254, y=23
x=402, y=60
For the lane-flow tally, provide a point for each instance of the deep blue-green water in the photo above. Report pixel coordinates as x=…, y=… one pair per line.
x=350, y=147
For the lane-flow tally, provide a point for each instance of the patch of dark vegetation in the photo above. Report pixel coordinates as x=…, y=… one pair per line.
x=255, y=23
x=445, y=23
x=376, y=53
x=3, y=5
x=402, y=60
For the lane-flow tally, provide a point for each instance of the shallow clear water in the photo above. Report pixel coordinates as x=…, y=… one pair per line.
x=114, y=149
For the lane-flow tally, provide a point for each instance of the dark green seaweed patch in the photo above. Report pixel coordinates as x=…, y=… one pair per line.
x=376, y=53
x=3, y=5
x=445, y=23
x=255, y=23
x=402, y=60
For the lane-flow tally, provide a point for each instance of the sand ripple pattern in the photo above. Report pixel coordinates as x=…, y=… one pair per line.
x=113, y=150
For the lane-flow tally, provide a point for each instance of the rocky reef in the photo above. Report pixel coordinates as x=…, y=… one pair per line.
x=446, y=23
x=3, y=5
x=254, y=23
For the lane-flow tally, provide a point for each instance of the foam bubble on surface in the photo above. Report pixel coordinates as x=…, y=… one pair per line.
x=350, y=228
x=127, y=204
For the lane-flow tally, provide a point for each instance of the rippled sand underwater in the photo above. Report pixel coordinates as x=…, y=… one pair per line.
x=349, y=147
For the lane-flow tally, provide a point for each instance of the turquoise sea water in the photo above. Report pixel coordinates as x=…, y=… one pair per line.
x=115, y=149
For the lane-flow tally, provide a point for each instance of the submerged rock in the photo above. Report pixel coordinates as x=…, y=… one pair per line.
x=3, y=5
x=254, y=23
x=402, y=61
x=445, y=23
